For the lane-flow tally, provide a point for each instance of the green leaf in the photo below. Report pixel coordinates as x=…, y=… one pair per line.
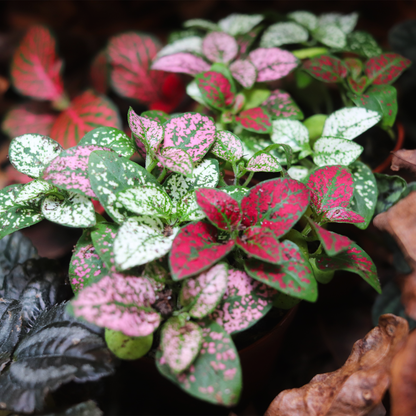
x=300, y=173
x=390, y=189
x=315, y=125
x=201, y=24
x=328, y=151
x=227, y=146
x=34, y=189
x=255, y=97
x=362, y=43
x=103, y=235
x=282, y=34
x=304, y=18
x=30, y=153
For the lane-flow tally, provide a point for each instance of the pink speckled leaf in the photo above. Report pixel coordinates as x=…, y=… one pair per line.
x=69, y=170
x=192, y=132
x=203, y=293
x=244, y=72
x=293, y=277
x=86, y=112
x=245, y=302
x=326, y=68
x=331, y=187
x=176, y=160
x=121, y=303
x=276, y=204
x=180, y=342
x=195, y=249
x=85, y=266
x=341, y=214
x=255, y=119
x=100, y=72
x=281, y=105
x=156, y=115
x=219, y=47
x=386, y=68
x=263, y=162
x=220, y=208
x=332, y=243
x=227, y=146
x=36, y=69
x=215, y=88
x=215, y=376
x=103, y=235
x=261, y=243
x=272, y=63
x=354, y=260
x=183, y=62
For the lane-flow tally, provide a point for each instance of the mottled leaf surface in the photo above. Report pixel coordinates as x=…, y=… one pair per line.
x=263, y=162
x=330, y=35
x=363, y=44
x=329, y=151
x=10, y=328
x=343, y=215
x=331, y=242
x=227, y=146
x=177, y=160
x=281, y=104
x=103, y=235
x=239, y=24
x=219, y=47
x=304, y=18
x=390, y=189
x=282, y=34
x=32, y=190
x=182, y=62
x=192, y=44
x=215, y=89
x=346, y=22
x=291, y=132
x=386, y=68
x=244, y=72
x=255, y=119
x=326, y=68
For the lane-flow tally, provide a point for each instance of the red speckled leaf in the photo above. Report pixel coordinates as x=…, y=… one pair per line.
x=331, y=186
x=220, y=208
x=100, y=72
x=244, y=72
x=343, y=215
x=293, y=277
x=245, y=302
x=261, y=243
x=255, y=119
x=215, y=89
x=276, y=204
x=219, y=47
x=358, y=86
x=195, y=249
x=192, y=132
x=121, y=303
x=281, y=105
x=183, y=62
x=272, y=63
x=332, y=243
x=326, y=68
x=86, y=112
x=28, y=118
x=36, y=68
x=354, y=260
x=386, y=68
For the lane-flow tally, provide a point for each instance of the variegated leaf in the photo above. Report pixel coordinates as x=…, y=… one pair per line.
x=280, y=104
x=182, y=62
x=304, y=18
x=32, y=190
x=176, y=160
x=244, y=72
x=345, y=22
x=192, y=132
x=300, y=173
x=332, y=243
x=330, y=35
x=272, y=63
x=156, y=115
x=237, y=192
x=291, y=132
x=390, y=190
x=140, y=240
x=195, y=249
x=293, y=277
x=355, y=66
x=255, y=119
x=188, y=209
x=239, y=24
x=263, y=162
x=215, y=89
x=191, y=44
x=227, y=146
x=326, y=68
x=109, y=138
x=121, y=303
x=72, y=210
x=359, y=85
x=31, y=153
x=354, y=260
x=146, y=200
x=343, y=215
x=201, y=24
x=203, y=293
x=194, y=92
x=282, y=34
x=103, y=235
x=219, y=47
x=363, y=43
x=328, y=151
x=180, y=342
x=245, y=302
x=69, y=171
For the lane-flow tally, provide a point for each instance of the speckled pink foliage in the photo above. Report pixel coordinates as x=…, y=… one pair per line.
x=263, y=163
x=244, y=72
x=219, y=47
x=343, y=215
x=146, y=130
x=228, y=143
x=176, y=160
x=280, y=104
x=183, y=62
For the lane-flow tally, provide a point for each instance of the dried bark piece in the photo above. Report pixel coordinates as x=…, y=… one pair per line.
x=405, y=159
x=358, y=386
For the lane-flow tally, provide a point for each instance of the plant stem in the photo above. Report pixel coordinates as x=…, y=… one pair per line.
x=391, y=133
x=151, y=166
x=233, y=164
x=162, y=175
x=249, y=178
x=306, y=230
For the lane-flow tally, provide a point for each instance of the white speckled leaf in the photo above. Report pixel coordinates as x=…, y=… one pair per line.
x=188, y=209
x=263, y=162
x=201, y=24
x=291, y=132
x=227, y=146
x=345, y=22
x=330, y=35
x=180, y=342
x=239, y=24
x=176, y=160
x=30, y=153
x=300, y=173
x=204, y=292
x=283, y=34
x=33, y=189
x=328, y=151
x=191, y=44
x=73, y=211
x=244, y=72
x=306, y=19
x=140, y=240
x=219, y=47
x=348, y=123
x=146, y=200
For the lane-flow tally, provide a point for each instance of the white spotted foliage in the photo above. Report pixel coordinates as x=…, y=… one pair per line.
x=304, y=18
x=191, y=44
x=239, y=24
x=292, y=133
x=34, y=189
x=283, y=34
x=328, y=151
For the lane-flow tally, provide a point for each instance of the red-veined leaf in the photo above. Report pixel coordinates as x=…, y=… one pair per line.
x=326, y=68
x=215, y=89
x=244, y=72
x=183, y=62
x=100, y=72
x=36, y=68
x=331, y=186
x=276, y=204
x=354, y=260
x=359, y=85
x=86, y=112
x=176, y=160
x=343, y=215
x=386, y=68
x=220, y=208
x=219, y=47
x=272, y=63
x=192, y=132
x=255, y=119
x=195, y=249
x=280, y=104
x=293, y=277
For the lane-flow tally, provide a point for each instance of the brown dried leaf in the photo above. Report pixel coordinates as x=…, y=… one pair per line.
x=407, y=285
x=356, y=389
x=405, y=159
